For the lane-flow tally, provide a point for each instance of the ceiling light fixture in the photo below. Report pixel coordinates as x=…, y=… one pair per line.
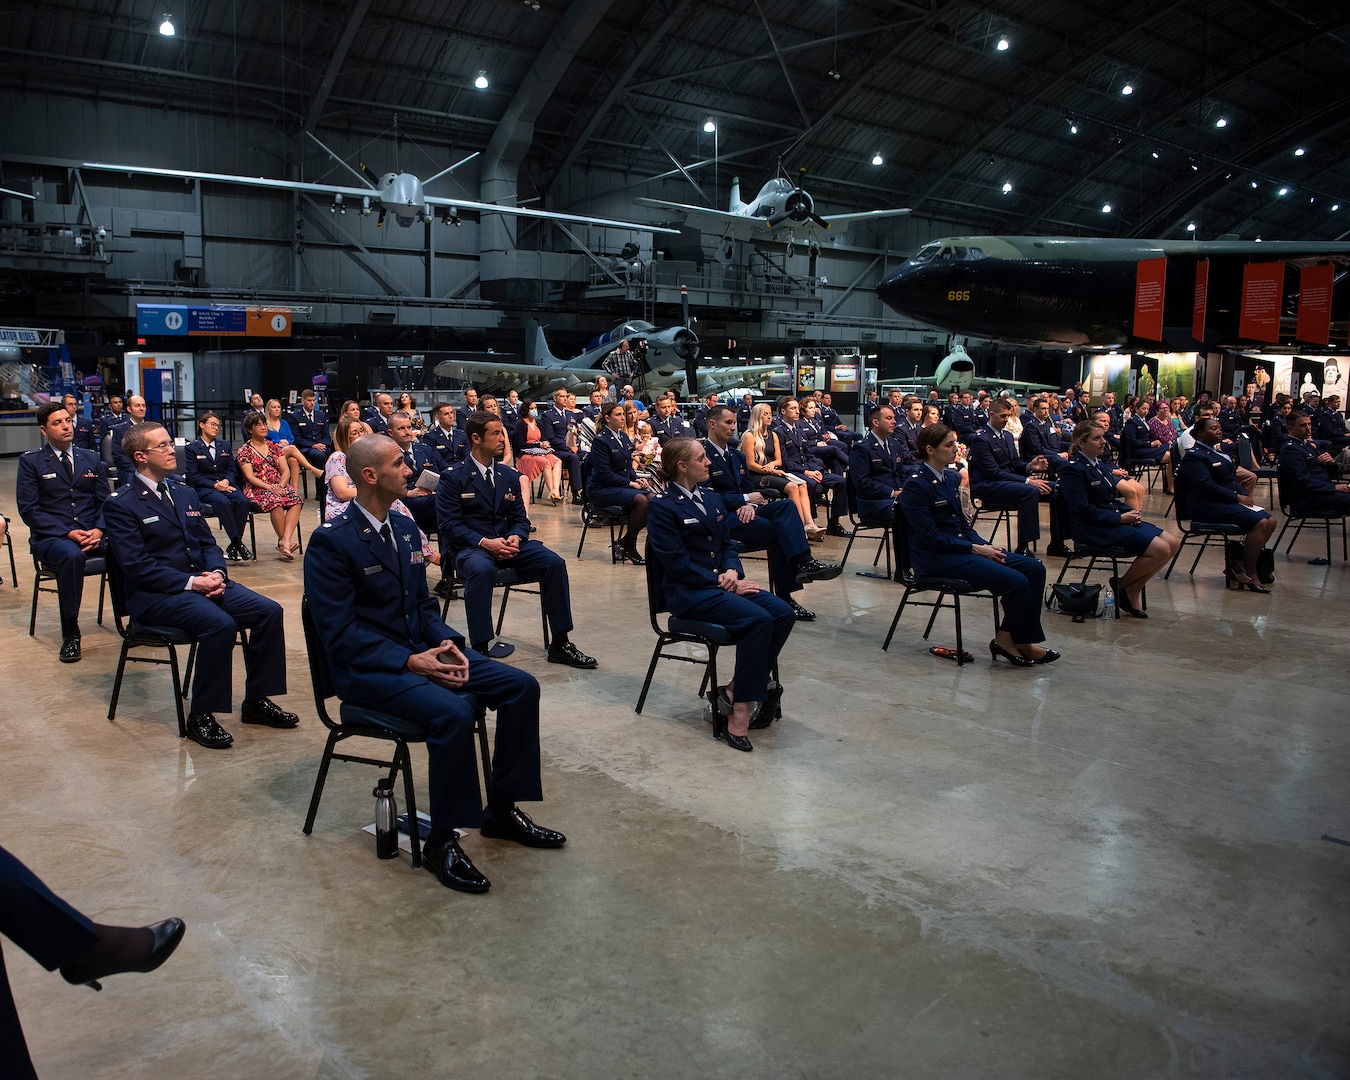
x=1106, y=208
x=1007, y=187
x=876, y=159
x=1255, y=185
x=1299, y=152
x=1127, y=90
x=1221, y=123
x=1283, y=191
x=481, y=80
x=1335, y=206
x=1073, y=128
x=1003, y=44
x=1156, y=155
x=709, y=125
x=166, y=27
x=1190, y=227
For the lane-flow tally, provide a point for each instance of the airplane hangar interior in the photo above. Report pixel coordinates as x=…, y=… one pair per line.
x=1133, y=863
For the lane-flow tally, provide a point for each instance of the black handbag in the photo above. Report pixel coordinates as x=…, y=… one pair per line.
x=1080, y=601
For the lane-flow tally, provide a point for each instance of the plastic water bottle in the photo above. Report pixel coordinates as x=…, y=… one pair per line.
x=386, y=821
x=1110, y=609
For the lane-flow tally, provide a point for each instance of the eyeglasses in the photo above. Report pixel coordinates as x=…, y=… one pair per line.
x=161, y=446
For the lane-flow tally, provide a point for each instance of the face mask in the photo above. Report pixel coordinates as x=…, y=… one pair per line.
x=534, y=412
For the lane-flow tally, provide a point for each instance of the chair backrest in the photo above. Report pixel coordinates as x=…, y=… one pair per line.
x=850, y=497
x=1246, y=458
x=117, y=588
x=900, y=540
x=1180, y=489
x=319, y=675
x=1062, y=513
x=656, y=587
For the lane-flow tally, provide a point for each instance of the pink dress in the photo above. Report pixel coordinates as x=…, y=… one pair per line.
x=267, y=468
x=531, y=465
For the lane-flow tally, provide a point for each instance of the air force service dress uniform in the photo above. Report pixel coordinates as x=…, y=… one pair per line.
x=611, y=471
x=1305, y=482
x=369, y=597
x=694, y=545
x=422, y=507
x=1212, y=489
x=776, y=527
x=53, y=499
x=469, y=509
x=449, y=447
x=162, y=543
x=1089, y=492
x=998, y=478
x=207, y=465
x=940, y=544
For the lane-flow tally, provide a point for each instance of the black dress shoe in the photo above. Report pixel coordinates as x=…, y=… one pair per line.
x=803, y=614
x=624, y=555
x=70, y=649
x=515, y=825
x=245, y=553
x=569, y=654
x=1059, y=551
x=1123, y=601
x=577, y=500
x=1049, y=658
x=453, y=869
x=202, y=728
x=1017, y=659
x=836, y=529
x=445, y=588
x=265, y=711
x=99, y=961
x=814, y=570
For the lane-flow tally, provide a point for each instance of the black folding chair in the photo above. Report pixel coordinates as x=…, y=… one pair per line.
x=1080, y=551
x=955, y=588
x=42, y=573
x=9, y=543
x=862, y=526
x=1247, y=459
x=356, y=722
x=615, y=518
x=1309, y=521
x=505, y=579
x=1210, y=533
x=1002, y=516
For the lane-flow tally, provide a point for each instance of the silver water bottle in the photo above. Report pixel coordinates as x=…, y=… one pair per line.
x=386, y=820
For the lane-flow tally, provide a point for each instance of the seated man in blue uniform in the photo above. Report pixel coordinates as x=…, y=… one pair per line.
x=312, y=437
x=134, y=414
x=798, y=459
x=111, y=417
x=367, y=588
x=555, y=424
x=420, y=502
x=483, y=528
x=689, y=533
x=175, y=576
x=377, y=416
x=86, y=431
x=667, y=424
x=444, y=438
x=829, y=416
x=701, y=414
x=877, y=469
x=60, y=492
x=467, y=408
x=211, y=473
x=1040, y=436
x=57, y=935
x=999, y=478
x=1305, y=472
x=1329, y=424
x=743, y=414
x=1214, y=495
x=773, y=527
x=941, y=544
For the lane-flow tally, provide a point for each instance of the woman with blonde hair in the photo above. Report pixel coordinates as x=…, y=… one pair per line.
x=279, y=434
x=764, y=459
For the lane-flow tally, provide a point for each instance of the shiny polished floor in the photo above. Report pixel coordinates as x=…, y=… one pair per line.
x=1117, y=866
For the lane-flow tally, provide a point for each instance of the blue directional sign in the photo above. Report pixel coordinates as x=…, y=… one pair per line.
x=162, y=319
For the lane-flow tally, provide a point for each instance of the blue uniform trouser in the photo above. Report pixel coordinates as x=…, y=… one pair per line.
x=214, y=623
x=447, y=717
x=535, y=562
x=777, y=530
x=68, y=560
x=231, y=509
x=759, y=624
x=47, y=929
x=1025, y=501
x=1019, y=583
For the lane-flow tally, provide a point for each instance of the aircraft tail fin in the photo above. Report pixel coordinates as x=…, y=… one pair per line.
x=736, y=203
x=536, y=347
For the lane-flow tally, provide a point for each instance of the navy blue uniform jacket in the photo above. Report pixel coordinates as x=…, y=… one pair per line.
x=876, y=470
x=159, y=546
x=1212, y=487
x=308, y=432
x=611, y=462
x=448, y=446
x=694, y=545
x=934, y=522
x=202, y=473
x=993, y=457
x=467, y=510
x=727, y=475
x=50, y=502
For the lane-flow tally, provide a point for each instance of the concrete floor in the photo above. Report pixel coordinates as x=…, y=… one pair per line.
x=1112, y=867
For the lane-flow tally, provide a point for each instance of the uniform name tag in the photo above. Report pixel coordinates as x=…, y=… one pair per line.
x=691, y=521
x=940, y=502
x=368, y=570
x=468, y=495
x=149, y=520
x=1094, y=483
x=201, y=457
x=49, y=476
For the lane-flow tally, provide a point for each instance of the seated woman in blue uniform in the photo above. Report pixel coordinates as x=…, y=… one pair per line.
x=942, y=544
x=1138, y=445
x=1211, y=493
x=1099, y=519
x=614, y=482
x=689, y=534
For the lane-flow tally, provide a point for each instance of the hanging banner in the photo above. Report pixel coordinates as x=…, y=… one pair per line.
x=1150, y=280
x=1201, y=299
x=1314, y=304
x=1262, y=293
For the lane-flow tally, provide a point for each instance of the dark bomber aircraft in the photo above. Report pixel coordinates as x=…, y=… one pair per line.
x=1066, y=291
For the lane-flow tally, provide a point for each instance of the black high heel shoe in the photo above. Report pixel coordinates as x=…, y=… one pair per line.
x=1123, y=602
x=722, y=707
x=105, y=960
x=996, y=650
x=768, y=709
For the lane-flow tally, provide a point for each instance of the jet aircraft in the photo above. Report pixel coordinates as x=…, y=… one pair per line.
x=779, y=201
x=1074, y=292
x=398, y=193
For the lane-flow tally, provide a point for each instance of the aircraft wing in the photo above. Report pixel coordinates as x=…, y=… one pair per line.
x=708, y=220
x=535, y=379
x=866, y=215
x=724, y=378
x=371, y=193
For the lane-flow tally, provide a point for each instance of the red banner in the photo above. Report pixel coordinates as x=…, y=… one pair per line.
x=1149, y=286
x=1262, y=294
x=1201, y=299
x=1314, y=304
